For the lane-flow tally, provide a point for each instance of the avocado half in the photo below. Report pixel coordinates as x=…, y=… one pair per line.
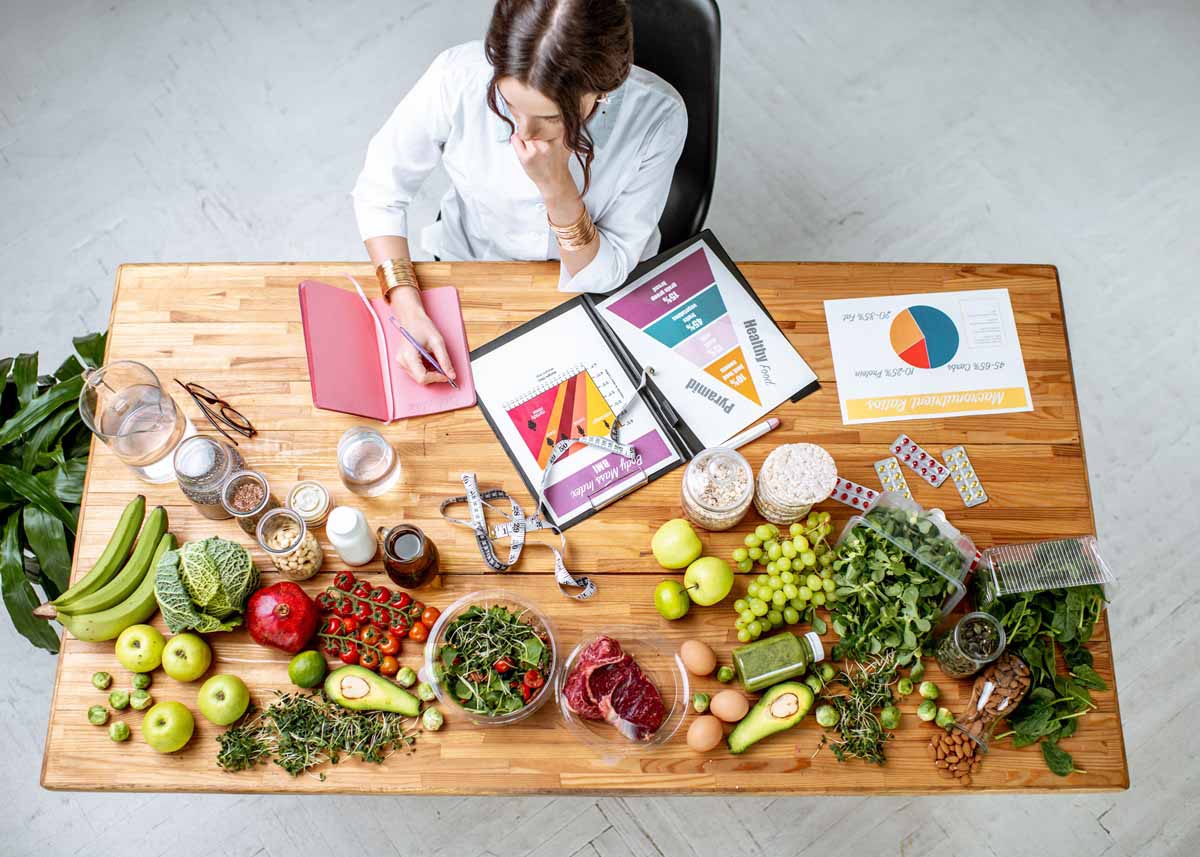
x=362, y=690
x=780, y=707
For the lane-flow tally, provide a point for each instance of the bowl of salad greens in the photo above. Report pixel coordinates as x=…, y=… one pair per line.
x=492, y=654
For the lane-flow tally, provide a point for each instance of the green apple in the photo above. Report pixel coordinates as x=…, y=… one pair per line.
x=168, y=726
x=139, y=648
x=186, y=657
x=223, y=699
x=708, y=580
x=671, y=599
x=676, y=544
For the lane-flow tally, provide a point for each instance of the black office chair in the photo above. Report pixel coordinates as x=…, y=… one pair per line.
x=680, y=41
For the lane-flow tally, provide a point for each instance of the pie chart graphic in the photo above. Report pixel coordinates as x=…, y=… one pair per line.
x=924, y=337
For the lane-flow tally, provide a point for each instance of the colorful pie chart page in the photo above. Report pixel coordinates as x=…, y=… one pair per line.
x=924, y=337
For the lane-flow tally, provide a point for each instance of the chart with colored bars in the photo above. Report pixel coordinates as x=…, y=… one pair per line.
x=567, y=404
x=924, y=337
x=683, y=309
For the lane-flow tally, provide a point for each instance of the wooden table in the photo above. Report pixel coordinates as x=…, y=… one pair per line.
x=236, y=328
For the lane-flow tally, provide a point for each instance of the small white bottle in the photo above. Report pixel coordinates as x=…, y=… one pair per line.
x=350, y=536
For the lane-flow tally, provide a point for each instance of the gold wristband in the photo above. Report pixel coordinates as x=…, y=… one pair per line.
x=395, y=274
x=576, y=236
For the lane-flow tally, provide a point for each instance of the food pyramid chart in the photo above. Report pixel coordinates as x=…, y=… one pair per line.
x=682, y=308
x=924, y=337
x=571, y=406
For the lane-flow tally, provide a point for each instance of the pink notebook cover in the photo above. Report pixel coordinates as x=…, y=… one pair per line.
x=351, y=354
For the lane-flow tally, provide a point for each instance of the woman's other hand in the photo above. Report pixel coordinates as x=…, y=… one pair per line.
x=409, y=311
x=545, y=163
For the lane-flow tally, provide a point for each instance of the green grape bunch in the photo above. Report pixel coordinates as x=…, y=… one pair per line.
x=797, y=576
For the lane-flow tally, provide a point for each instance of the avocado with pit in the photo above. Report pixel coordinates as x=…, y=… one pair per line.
x=362, y=690
x=780, y=707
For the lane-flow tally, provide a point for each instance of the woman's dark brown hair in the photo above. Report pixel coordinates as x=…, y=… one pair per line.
x=564, y=49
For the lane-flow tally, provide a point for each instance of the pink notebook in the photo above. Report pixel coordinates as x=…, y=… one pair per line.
x=352, y=354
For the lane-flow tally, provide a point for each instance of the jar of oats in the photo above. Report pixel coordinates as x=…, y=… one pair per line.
x=294, y=550
x=794, y=478
x=717, y=488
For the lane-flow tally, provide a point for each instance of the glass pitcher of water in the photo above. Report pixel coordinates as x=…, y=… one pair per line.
x=125, y=405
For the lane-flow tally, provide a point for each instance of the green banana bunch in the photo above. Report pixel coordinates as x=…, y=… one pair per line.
x=111, y=560
x=137, y=607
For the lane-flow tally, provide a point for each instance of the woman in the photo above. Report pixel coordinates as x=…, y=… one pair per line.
x=557, y=147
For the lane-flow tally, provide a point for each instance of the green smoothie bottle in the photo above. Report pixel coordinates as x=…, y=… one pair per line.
x=766, y=662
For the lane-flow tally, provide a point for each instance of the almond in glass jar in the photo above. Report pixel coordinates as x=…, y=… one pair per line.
x=293, y=549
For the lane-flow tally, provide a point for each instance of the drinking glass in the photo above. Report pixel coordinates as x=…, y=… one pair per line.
x=125, y=406
x=366, y=461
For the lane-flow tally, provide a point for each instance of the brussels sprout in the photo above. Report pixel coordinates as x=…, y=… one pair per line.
x=928, y=690
x=118, y=731
x=101, y=680
x=407, y=677
x=945, y=718
x=927, y=710
x=140, y=700
x=725, y=674
x=425, y=692
x=97, y=715
x=119, y=700
x=432, y=719
x=827, y=671
x=700, y=702
x=141, y=681
x=814, y=683
x=827, y=716
x=889, y=717
x=904, y=687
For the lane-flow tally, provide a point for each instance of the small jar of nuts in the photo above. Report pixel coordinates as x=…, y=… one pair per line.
x=717, y=488
x=294, y=550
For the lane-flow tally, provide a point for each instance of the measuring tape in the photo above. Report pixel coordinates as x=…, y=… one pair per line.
x=515, y=529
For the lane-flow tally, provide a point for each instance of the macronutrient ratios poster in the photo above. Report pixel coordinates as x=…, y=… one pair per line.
x=717, y=356
x=945, y=354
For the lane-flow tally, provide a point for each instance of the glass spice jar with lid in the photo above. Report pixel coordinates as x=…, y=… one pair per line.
x=309, y=500
x=247, y=497
x=718, y=486
x=975, y=641
x=293, y=549
x=202, y=466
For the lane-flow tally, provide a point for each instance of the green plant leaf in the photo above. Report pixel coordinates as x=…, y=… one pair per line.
x=34, y=490
x=19, y=595
x=24, y=373
x=66, y=480
x=1058, y=760
x=46, y=434
x=48, y=540
x=69, y=368
x=30, y=415
x=91, y=348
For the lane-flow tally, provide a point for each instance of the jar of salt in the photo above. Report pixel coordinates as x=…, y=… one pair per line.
x=717, y=488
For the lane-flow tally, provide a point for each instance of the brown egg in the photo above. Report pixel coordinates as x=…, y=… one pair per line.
x=705, y=733
x=697, y=657
x=730, y=705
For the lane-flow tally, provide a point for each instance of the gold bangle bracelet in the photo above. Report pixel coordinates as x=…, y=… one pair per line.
x=395, y=274
x=577, y=235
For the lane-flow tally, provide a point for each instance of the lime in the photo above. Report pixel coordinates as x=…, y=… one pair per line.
x=307, y=669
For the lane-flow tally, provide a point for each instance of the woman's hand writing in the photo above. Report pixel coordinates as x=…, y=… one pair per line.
x=409, y=311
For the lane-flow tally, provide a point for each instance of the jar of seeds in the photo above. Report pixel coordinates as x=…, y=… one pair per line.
x=794, y=478
x=717, y=488
x=976, y=640
x=247, y=496
x=202, y=465
x=293, y=549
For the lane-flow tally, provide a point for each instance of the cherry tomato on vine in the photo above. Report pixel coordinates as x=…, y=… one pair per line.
x=361, y=589
x=349, y=625
x=344, y=580
x=417, y=607
x=345, y=607
x=362, y=611
x=331, y=648
x=370, y=636
x=381, y=616
x=332, y=625
x=430, y=615
x=380, y=595
x=389, y=665
x=326, y=601
x=400, y=600
x=369, y=659
x=390, y=644
x=418, y=633
x=400, y=625
x=348, y=652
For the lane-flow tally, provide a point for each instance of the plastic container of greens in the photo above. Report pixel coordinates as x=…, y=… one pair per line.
x=1038, y=566
x=924, y=536
x=528, y=614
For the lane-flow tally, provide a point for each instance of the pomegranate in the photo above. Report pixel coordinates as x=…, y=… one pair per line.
x=281, y=615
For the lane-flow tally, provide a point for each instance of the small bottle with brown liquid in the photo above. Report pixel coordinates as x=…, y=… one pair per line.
x=409, y=556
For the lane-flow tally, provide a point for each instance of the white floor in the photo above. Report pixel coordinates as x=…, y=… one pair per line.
x=1063, y=132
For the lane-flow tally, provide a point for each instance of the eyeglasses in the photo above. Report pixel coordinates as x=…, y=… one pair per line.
x=218, y=411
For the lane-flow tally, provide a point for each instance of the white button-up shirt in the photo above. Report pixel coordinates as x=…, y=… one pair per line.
x=493, y=210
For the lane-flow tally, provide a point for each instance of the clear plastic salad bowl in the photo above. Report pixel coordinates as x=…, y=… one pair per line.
x=529, y=613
